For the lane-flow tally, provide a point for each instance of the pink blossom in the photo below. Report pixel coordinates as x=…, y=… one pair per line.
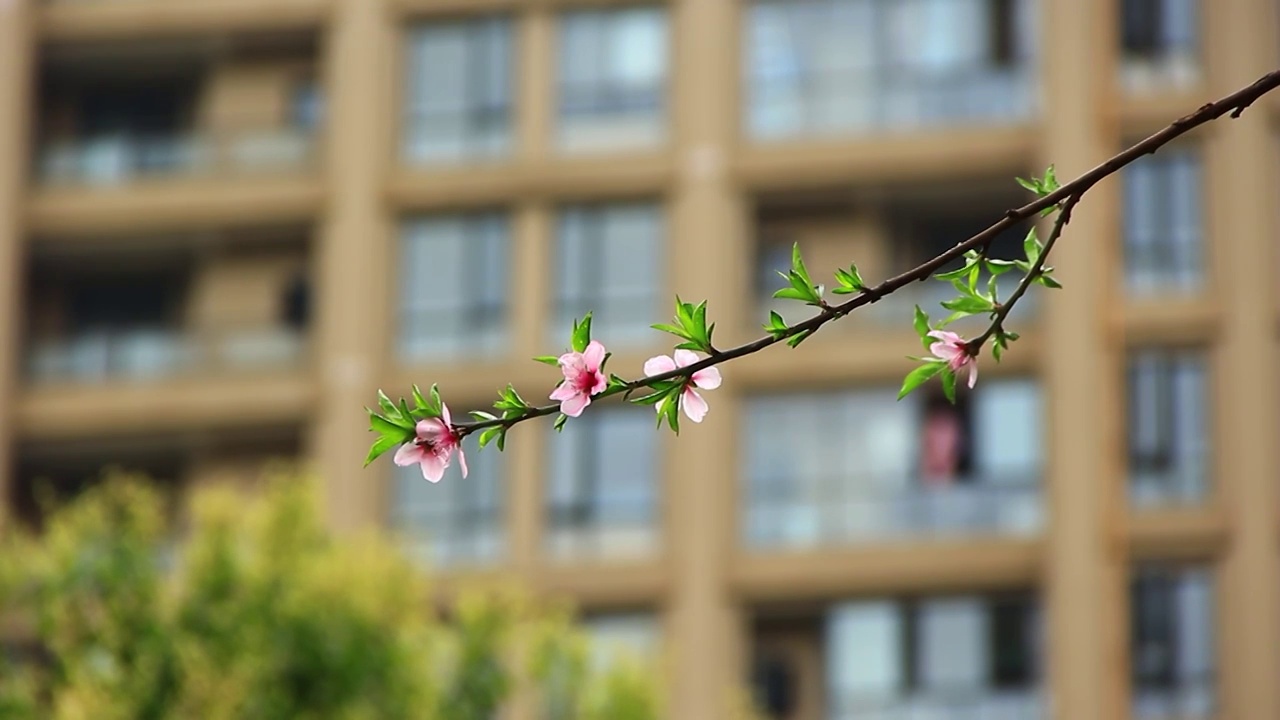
x=951, y=348
x=582, y=379
x=707, y=379
x=432, y=447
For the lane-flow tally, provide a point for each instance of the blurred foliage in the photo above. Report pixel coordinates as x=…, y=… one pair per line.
x=260, y=614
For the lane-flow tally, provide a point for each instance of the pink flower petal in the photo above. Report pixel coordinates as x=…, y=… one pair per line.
x=572, y=364
x=600, y=384
x=462, y=461
x=431, y=429
x=594, y=356
x=574, y=406
x=408, y=454
x=945, y=350
x=707, y=378
x=444, y=413
x=564, y=391
x=685, y=358
x=433, y=467
x=694, y=406
x=946, y=336
x=973, y=373
x=658, y=365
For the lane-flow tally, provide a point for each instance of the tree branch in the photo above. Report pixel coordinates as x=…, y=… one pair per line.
x=1065, y=197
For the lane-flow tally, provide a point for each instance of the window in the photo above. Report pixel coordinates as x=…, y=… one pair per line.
x=819, y=473
x=455, y=521
x=459, y=93
x=1172, y=654
x=608, y=263
x=1159, y=44
x=829, y=66
x=1163, y=224
x=453, y=286
x=613, y=72
x=973, y=655
x=1168, y=428
x=602, y=486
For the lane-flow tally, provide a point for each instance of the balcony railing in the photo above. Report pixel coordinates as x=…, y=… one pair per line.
x=927, y=705
x=121, y=159
x=143, y=355
x=1178, y=487
x=1190, y=699
x=858, y=101
x=781, y=514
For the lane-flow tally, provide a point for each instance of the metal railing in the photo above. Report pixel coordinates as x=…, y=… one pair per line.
x=120, y=159
x=980, y=704
x=153, y=354
x=785, y=513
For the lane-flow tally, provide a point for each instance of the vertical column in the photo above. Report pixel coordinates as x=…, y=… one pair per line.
x=536, y=88
x=354, y=287
x=1084, y=574
x=707, y=250
x=16, y=103
x=531, y=263
x=1242, y=217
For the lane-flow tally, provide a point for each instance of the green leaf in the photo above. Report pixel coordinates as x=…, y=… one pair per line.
x=952, y=318
x=380, y=446
x=581, y=334
x=970, y=305
x=919, y=376
x=388, y=408
x=999, y=267
x=1033, y=187
x=1049, y=282
x=560, y=421
x=437, y=405
x=383, y=426
x=488, y=434
x=922, y=327
x=793, y=294
x=798, y=338
x=615, y=381
x=797, y=264
x=1031, y=246
x=949, y=385
x=997, y=349
x=547, y=359
x=953, y=274
x=672, y=329
x=1050, y=182
x=483, y=416
x=417, y=397
x=974, y=273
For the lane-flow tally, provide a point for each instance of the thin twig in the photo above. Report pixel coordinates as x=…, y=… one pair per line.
x=1066, y=196
x=997, y=322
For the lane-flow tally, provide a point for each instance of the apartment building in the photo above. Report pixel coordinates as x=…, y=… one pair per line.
x=224, y=224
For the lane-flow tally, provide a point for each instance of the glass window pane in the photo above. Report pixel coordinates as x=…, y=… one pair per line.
x=613, y=67
x=453, y=286
x=608, y=260
x=459, y=89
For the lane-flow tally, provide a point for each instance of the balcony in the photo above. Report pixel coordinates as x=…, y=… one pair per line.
x=78, y=20
x=174, y=133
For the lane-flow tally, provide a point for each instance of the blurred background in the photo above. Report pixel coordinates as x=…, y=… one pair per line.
x=225, y=223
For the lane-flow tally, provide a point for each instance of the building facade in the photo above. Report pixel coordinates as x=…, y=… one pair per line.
x=224, y=224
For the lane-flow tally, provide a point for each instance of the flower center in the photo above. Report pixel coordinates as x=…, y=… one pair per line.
x=585, y=381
